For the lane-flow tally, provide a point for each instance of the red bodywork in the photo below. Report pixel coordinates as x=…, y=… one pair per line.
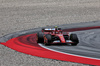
x=56, y=33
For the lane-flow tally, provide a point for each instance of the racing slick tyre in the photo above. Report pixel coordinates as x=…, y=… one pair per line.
x=40, y=37
x=49, y=39
x=74, y=38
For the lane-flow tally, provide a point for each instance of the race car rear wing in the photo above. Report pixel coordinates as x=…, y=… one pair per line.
x=48, y=29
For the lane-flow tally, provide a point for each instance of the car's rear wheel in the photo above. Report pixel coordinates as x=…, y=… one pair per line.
x=40, y=37
x=49, y=39
x=74, y=38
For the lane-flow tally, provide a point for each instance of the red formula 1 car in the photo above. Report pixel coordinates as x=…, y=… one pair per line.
x=50, y=36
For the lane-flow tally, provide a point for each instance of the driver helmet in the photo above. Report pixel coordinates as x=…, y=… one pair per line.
x=56, y=26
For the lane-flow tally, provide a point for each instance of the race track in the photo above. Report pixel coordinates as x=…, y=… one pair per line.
x=19, y=15
x=88, y=47
x=89, y=44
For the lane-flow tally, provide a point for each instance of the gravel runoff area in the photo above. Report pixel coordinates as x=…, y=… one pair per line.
x=17, y=15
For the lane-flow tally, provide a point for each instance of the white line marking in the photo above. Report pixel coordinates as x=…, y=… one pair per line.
x=67, y=53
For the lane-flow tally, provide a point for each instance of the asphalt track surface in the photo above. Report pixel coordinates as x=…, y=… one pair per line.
x=18, y=15
x=89, y=44
x=88, y=37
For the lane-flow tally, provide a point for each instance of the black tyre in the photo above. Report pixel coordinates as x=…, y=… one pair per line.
x=49, y=39
x=74, y=38
x=40, y=37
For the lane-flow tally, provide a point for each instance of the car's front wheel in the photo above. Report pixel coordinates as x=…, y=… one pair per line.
x=49, y=39
x=74, y=38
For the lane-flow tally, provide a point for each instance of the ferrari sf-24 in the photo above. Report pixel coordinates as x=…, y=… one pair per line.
x=56, y=35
